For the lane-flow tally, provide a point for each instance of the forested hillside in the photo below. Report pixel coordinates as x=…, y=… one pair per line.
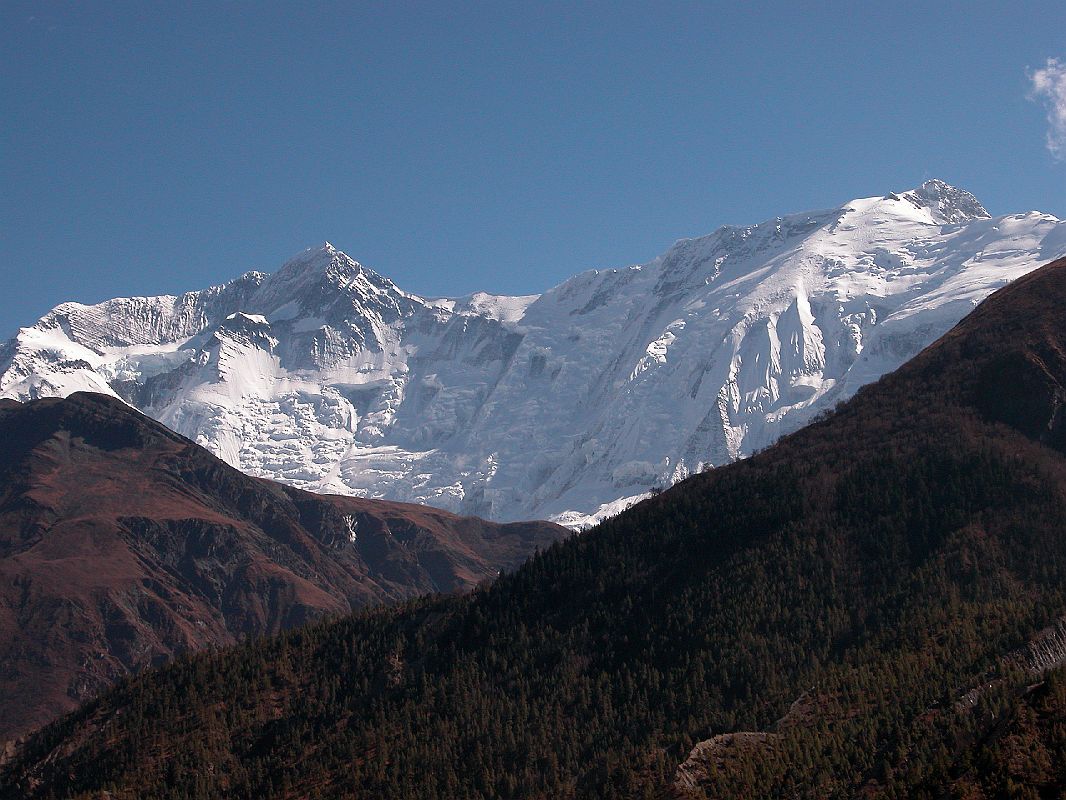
x=866, y=609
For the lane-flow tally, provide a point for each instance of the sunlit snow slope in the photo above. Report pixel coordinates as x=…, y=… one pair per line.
x=327, y=376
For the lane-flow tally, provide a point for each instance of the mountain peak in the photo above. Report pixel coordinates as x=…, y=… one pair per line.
x=324, y=282
x=317, y=266
x=712, y=350
x=318, y=257
x=948, y=203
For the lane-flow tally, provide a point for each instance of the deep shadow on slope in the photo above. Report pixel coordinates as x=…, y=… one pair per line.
x=123, y=543
x=843, y=597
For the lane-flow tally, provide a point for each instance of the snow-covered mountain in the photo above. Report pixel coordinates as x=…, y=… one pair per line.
x=565, y=405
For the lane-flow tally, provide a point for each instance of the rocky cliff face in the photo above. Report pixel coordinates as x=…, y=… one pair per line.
x=326, y=376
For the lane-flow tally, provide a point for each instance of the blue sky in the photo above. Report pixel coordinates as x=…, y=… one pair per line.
x=495, y=146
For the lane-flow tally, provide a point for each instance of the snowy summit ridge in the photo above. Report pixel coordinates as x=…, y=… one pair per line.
x=947, y=204
x=566, y=405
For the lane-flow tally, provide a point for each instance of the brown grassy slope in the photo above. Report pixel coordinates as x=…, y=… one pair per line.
x=122, y=543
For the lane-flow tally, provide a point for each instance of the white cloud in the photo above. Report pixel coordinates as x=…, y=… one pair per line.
x=1049, y=87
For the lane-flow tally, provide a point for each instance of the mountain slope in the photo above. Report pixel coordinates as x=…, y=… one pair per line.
x=122, y=543
x=327, y=376
x=846, y=614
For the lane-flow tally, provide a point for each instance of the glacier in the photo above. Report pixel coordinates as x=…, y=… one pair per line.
x=567, y=405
